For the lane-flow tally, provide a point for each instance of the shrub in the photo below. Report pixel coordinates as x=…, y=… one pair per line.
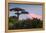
x=25, y=24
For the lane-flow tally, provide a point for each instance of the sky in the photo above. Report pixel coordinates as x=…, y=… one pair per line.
x=33, y=10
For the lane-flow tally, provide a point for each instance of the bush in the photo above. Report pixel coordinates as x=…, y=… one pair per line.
x=25, y=24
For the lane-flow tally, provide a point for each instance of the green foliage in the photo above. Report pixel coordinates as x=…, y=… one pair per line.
x=37, y=23
x=25, y=24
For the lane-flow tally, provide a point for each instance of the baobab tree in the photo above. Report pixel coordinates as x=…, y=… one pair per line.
x=19, y=11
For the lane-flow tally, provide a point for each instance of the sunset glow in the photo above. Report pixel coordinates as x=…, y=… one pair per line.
x=35, y=11
x=31, y=15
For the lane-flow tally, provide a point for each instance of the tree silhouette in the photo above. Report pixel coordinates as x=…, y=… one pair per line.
x=19, y=11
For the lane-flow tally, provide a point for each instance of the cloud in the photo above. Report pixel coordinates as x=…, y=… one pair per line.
x=31, y=15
